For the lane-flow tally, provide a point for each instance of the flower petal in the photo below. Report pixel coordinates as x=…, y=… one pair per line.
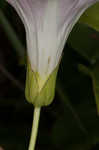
x=48, y=24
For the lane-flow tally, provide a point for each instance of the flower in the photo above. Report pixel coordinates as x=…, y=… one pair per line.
x=47, y=24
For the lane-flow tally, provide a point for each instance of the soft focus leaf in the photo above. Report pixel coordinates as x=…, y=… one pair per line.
x=94, y=74
x=73, y=138
x=85, y=41
x=95, y=79
x=91, y=17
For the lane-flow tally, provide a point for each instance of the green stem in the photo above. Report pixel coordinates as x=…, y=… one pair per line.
x=34, y=131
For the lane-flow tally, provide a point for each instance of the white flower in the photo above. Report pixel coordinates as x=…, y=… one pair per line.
x=48, y=24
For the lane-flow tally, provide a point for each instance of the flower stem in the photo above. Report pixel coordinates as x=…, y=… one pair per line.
x=34, y=131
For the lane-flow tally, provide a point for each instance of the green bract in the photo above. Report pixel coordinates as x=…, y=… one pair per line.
x=39, y=92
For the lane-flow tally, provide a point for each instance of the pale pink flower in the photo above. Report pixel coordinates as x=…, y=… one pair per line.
x=48, y=24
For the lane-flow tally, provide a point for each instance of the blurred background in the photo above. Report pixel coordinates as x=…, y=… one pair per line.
x=72, y=120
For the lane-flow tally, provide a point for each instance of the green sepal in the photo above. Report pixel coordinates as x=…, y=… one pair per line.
x=40, y=94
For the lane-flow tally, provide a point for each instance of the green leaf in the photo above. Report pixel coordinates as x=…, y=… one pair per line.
x=95, y=79
x=91, y=17
x=85, y=41
x=67, y=135
x=94, y=74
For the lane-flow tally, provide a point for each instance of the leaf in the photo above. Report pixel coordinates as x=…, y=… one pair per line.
x=95, y=79
x=91, y=17
x=94, y=74
x=85, y=41
x=66, y=134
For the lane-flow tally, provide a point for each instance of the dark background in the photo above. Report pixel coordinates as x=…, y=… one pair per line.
x=71, y=121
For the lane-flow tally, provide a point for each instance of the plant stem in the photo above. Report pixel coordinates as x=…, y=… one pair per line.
x=34, y=131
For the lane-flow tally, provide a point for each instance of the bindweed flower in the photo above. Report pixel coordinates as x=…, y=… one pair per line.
x=47, y=24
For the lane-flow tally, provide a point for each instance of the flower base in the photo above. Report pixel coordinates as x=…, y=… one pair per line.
x=40, y=92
